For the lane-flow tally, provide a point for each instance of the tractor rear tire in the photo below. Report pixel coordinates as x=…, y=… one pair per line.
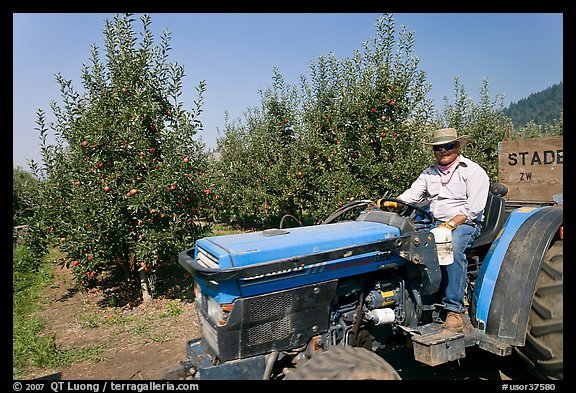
x=344, y=363
x=543, y=350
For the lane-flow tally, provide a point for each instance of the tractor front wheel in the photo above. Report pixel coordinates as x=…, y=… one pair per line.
x=344, y=363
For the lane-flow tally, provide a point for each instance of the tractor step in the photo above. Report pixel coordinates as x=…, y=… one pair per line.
x=434, y=345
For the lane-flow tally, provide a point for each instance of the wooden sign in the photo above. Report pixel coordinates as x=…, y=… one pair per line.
x=532, y=169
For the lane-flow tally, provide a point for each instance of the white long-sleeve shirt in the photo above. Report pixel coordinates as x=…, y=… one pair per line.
x=466, y=192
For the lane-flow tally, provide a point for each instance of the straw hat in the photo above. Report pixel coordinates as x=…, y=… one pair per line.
x=447, y=135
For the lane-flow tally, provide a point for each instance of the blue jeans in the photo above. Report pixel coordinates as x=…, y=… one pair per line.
x=454, y=275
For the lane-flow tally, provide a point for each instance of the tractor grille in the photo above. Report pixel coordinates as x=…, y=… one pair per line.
x=278, y=308
x=206, y=259
x=273, y=321
x=269, y=331
x=270, y=307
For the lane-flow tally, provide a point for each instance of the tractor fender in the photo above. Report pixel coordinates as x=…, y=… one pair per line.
x=506, y=282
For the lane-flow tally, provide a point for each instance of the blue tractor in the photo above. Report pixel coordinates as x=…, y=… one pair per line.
x=328, y=301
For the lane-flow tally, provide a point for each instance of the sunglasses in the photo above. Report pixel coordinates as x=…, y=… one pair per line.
x=447, y=146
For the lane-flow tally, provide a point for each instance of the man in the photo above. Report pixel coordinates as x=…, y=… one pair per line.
x=457, y=189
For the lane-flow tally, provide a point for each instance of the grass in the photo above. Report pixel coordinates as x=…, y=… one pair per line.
x=30, y=348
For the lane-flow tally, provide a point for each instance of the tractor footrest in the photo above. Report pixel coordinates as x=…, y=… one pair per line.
x=436, y=345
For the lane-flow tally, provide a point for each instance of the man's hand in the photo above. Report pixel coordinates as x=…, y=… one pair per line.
x=391, y=204
x=447, y=224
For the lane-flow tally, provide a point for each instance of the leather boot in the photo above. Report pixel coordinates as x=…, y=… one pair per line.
x=454, y=321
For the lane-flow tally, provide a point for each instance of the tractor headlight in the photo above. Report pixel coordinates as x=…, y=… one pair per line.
x=216, y=312
x=219, y=312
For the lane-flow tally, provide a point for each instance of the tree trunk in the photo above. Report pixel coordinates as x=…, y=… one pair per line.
x=146, y=295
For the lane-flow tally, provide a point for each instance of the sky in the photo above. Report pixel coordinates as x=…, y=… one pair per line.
x=518, y=54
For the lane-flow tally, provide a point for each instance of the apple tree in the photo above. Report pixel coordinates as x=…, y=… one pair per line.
x=25, y=189
x=356, y=129
x=255, y=175
x=123, y=180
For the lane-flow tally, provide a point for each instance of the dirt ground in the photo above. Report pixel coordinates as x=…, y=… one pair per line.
x=132, y=342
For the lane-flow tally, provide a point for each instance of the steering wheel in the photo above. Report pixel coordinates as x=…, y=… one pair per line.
x=410, y=207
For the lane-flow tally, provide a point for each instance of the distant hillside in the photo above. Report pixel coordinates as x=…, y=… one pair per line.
x=541, y=108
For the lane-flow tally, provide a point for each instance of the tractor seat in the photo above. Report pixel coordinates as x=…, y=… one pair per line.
x=494, y=216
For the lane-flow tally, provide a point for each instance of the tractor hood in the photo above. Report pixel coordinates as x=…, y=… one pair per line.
x=233, y=251
x=259, y=262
